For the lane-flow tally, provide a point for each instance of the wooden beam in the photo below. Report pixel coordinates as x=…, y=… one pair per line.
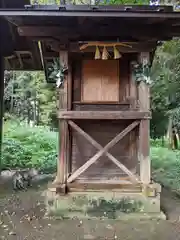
x=104, y=115
x=119, y=185
x=92, y=160
x=69, y=107
x=1, y=104
x=63, y=126
x=143, y=31
x=56, y=46
x=144, y=145
x=144, y=152
x=20, y=60
x=99, y=147
x=7, y=64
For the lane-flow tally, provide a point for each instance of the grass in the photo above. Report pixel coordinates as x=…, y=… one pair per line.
x=166, y=167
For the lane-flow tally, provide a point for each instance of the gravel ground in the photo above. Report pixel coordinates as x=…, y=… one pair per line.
x=22, y=217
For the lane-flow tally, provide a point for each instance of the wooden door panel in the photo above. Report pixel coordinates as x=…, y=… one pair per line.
x=100, y=81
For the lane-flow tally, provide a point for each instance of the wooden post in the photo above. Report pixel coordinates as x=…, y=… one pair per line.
x=1, y=102
x=64, y=104
x=144, y=146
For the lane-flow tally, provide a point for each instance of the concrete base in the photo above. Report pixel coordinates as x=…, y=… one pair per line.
x=104, y=205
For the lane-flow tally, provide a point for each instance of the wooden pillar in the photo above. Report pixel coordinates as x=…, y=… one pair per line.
x=65, y=91
x=144, y=143
x=1, y=102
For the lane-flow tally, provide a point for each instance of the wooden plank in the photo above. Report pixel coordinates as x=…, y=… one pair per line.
x=99, y=147
x=63, y=126
x=69, y=107
x=103, y=78
x=143, y=95
x=144, y=152
x=150, y=32
x=126, y=102
x=1, y=103
x=62, y=167
x=77, y=78
x=144, y=145
x=143, y=88
x=98, y=186
x=133, y=89
x=104, y=115
x=92, y=160
x=123, y=79
x=69, y=86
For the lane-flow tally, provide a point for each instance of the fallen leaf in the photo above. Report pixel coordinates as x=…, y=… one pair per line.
x=89, y=237
x=109, y=226
x=4, y=226
x=13, y=213
x=12, y=233
x=29, y=219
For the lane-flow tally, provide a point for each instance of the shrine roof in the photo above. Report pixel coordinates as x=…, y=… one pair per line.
x=25, y=24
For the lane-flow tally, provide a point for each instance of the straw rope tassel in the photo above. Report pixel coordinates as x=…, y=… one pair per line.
x=117, y=54
x=97, y=53
x=105, y=54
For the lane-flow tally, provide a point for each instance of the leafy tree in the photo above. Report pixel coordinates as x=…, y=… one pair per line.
x=29, y=97
x=165, y=90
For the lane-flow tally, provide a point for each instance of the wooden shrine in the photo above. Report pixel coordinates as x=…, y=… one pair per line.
x=105, y=54
x=104, y=119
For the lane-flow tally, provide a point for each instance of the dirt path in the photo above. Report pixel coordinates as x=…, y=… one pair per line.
x=171, y=204
x=22, y=218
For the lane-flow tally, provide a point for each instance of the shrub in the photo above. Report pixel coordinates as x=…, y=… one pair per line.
x=166, y=167
x=48, y=163
x=25, y=146
x=159, y=142
x=15, y=155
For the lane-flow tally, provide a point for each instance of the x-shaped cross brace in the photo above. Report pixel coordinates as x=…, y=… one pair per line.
x=103, y=150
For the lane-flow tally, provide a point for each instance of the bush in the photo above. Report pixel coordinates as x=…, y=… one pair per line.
x=29, y=147
x=159, y=142
x=166, y=167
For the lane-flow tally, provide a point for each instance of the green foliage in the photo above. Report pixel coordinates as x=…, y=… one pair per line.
x=165, y=90
x=138, y=2
x=29, y=147
x=166, y=167
x=159, y=142
x=29, y=97
x=127, y=2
